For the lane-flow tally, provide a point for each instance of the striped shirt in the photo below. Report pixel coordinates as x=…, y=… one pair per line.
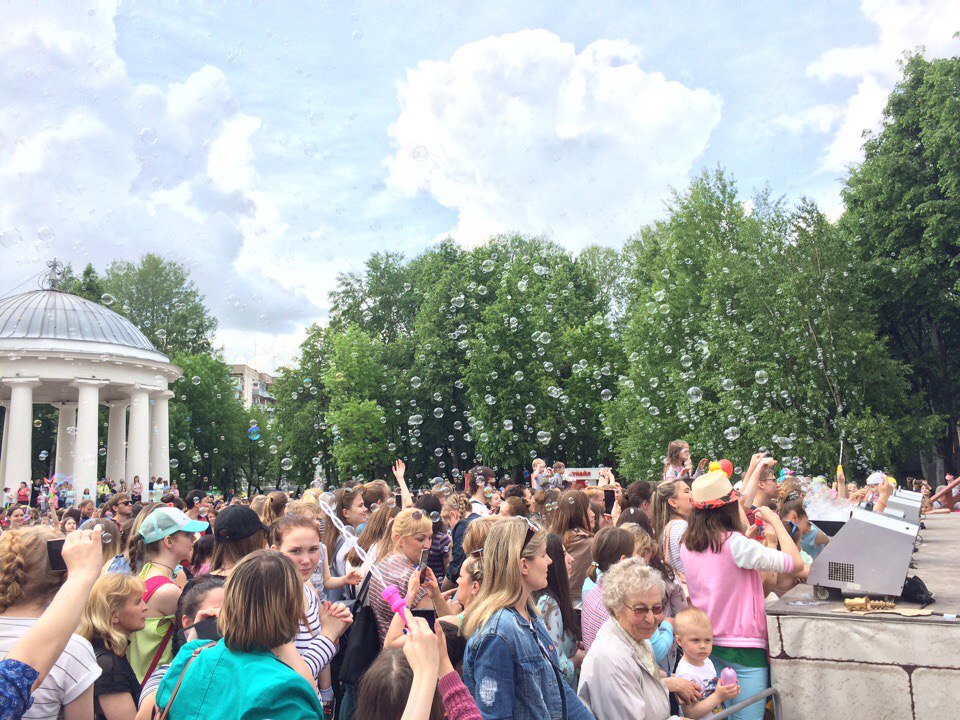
x=316, y=650
x=75, y=670
x=396, y=569
x=677, y=529
x=593, y=614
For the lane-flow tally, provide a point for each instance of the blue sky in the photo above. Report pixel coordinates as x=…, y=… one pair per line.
x=271, y=145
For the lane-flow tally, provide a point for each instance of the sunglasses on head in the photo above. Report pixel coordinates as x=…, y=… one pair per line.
x=533, y=527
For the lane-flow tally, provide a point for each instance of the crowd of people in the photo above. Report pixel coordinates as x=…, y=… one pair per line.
x=479, y=597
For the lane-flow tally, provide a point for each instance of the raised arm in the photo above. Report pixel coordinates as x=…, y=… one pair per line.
x=45, y=641
x=399, y=468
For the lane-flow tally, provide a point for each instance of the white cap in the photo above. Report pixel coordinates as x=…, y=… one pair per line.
x=875, y=478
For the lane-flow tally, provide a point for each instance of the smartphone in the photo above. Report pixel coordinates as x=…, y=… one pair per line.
x=424, y=557
x=609, y=499
x=55, y=555
x=398, y=498
x=206, y=629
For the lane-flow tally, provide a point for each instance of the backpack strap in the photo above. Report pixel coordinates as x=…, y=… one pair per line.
x=166, y=711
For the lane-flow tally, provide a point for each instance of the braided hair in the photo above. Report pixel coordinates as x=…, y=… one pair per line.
x=25, y=574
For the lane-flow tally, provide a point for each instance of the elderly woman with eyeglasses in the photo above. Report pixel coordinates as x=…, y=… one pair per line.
x=619, y=678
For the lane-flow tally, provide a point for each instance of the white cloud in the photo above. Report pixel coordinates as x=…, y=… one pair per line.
x=521, y=133
x=903, y=26
x=820, y=118
x=117, y=169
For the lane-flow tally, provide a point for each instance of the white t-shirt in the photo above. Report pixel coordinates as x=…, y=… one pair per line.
x=705, y=675
x=75, y=670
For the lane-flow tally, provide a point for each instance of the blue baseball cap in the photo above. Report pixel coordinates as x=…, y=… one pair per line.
x=165, y=521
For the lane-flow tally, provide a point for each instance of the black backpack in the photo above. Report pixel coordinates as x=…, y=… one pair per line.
x=363, y=642
x=915, y=590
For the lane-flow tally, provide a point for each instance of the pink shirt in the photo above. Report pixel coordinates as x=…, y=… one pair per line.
x=593, y=614
x=728, y=588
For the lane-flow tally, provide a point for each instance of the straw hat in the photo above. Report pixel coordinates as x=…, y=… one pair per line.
x=713, y=490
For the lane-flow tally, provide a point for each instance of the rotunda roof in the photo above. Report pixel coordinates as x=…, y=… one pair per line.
x=58, y=321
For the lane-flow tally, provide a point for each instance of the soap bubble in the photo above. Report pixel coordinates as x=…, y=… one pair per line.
x=44, y=455
x=543, y=437
x=286, y=464
x=37, y=423
x=328, y=499
x=761, y=377
x=731, y=433
x=273, y=449
x=486, y=266
x=654, y=382
x=415, y=420
x=195, y=379
x=508, y=424
x=72, y=430
x=148, y=136
x=530, y=409
x=191, y=334
x=686, y=360
x=695, y=394
x=102, y=452
x=605, y=394
x=434, y=516
x=181, y=445
x=415, y=382
x=438, y=412
x=785, y=443
x=727, y=384
x=254, y=433
x=107, y=299
x=174, y=462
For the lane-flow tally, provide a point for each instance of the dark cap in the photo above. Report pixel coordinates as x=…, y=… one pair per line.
x=236, y=522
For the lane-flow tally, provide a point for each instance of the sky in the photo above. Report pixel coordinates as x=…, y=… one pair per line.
x=270, y=146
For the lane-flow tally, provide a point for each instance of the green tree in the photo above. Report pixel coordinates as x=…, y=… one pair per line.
x=903, y=218
x=747, y=331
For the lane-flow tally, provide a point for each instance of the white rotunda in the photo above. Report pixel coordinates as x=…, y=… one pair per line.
x=76, y=355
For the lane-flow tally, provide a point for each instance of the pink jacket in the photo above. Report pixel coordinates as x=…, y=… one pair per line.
x=728, y=588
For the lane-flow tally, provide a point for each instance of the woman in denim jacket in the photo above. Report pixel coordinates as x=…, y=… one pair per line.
x=512, y=665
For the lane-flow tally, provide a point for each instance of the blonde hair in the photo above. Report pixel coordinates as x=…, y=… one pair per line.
x=304, y=506
x=477, y=531
x=109, y=594
x=257, y=503
x=262, y=603
x=692, y=618
x=502, y=585
x=407, y=522
x=25, y=573
x=663, y=512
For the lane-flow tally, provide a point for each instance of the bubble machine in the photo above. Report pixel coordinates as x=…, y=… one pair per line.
x=870, y=554
x=905, y=504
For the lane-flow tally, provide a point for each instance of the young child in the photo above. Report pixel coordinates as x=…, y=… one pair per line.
x=694, y=633
x=808, y=536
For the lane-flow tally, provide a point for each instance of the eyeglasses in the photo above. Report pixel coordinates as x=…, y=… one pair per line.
x=125, y=502
x=642, y=610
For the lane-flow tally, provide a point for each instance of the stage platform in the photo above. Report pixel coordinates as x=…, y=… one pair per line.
x=830, y=664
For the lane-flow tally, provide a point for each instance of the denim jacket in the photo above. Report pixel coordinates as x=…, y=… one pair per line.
x=512, y=669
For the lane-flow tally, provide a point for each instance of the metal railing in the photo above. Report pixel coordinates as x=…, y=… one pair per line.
x=769, y=692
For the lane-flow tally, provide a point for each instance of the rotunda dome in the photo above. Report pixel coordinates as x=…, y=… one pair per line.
x=53, y=320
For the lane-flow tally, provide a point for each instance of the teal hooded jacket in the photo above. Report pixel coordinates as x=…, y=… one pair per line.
x=225, y=685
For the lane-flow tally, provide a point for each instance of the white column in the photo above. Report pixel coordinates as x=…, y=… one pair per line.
x=66, y=441
x=4, y=447
x=138, y=435
x=20, y=433
x=160, y=436
x=87, y=444
x=116, y=437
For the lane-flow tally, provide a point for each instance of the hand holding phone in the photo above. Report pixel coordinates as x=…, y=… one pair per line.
x=424, y=557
